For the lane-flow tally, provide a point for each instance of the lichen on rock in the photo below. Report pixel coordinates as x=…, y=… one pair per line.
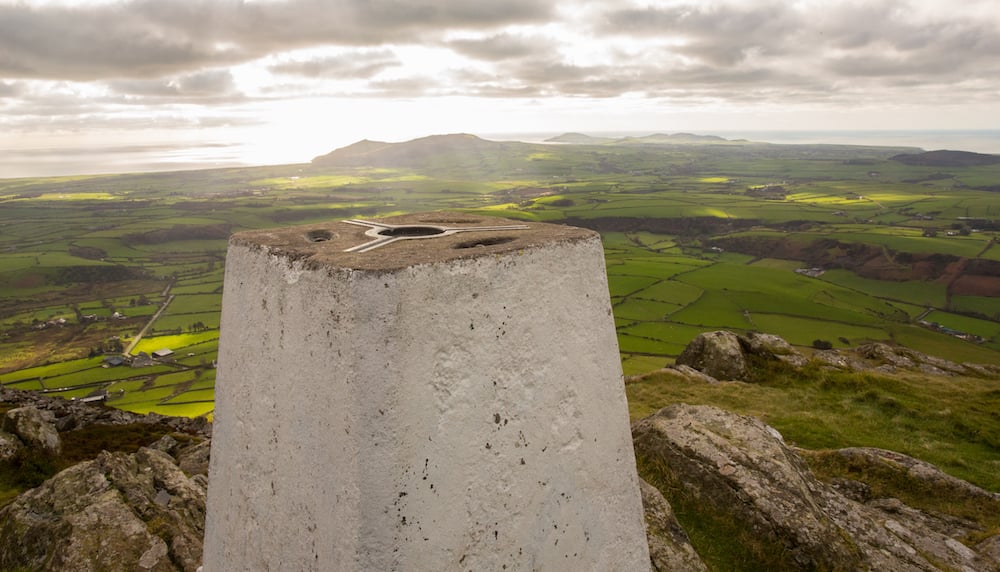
x=104, y=514
x=34, y=428
x=738, y=467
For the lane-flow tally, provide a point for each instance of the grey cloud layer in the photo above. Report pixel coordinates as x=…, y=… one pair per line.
x=361, y=65
x=148, y=38
x=200, y=85
x=736, y=51
x=844, y=39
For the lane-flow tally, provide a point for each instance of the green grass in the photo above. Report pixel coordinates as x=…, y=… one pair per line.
x=174, y=342
x=666, y=287
x=802, y=331
x=633, y=364
x=984, y=328
x=920, y=293
x=170, y=320
x=671, y=291
x=979, y=304
x=621, y=285
x=722, y=541
x=659, y=338
x=190, y=409
x=643, y=309
x=891, y=481
x=949, y=422
x=934, y=343
x=713, y=310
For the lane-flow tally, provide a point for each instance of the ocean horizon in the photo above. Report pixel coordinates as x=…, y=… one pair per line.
x=162, y=157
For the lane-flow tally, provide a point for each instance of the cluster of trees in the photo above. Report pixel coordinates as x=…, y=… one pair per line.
x=141, y=301
x=110, y=346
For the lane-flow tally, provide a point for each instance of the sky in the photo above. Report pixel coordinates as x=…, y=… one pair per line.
x=86, y=83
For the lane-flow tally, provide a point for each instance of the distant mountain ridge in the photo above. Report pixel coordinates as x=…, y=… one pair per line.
x=654, y=139
x=579, y=139
x=464, y=147
x=947, y=158
x=470, y=150
x=452, y=147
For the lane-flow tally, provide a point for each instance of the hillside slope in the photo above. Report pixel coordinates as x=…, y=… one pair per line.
x=731, y=492
x=946, y=158
x=454, y=148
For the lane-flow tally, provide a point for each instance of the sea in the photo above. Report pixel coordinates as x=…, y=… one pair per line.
x=110, y=159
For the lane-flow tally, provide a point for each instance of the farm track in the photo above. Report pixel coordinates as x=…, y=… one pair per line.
x=138, y=337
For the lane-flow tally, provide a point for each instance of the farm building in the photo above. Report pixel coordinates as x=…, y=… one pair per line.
x=163, y=353
x=142, y=359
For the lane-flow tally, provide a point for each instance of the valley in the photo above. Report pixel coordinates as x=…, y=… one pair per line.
x=821, y=244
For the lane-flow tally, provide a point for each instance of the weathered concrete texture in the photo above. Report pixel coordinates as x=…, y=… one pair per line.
x=460, y=413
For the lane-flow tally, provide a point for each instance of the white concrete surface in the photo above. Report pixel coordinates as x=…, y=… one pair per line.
x=462, y=415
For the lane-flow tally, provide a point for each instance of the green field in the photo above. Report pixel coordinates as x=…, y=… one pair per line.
x=94, y=245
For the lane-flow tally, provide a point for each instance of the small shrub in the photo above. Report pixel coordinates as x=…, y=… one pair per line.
x=27, y=469
x=86, y=443
x=822, y=344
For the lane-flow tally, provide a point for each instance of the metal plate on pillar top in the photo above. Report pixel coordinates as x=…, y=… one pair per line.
x=405, y=240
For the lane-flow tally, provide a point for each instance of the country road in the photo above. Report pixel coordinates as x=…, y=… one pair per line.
x=138, y=337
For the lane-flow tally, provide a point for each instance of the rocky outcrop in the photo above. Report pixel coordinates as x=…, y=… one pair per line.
x=684, y=372
x=891, y=358
x=117, y=512
x=728, y=356
x=66, y=415
x=669, y=546
x=767, y=344
x=145, y=511
x=34, y=428
x=918, y=476
x=718, y=354
x=738, y=469
x=9, y=446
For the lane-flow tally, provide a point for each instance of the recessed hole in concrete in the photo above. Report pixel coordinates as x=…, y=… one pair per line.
x=319, y=236
x=411, y=231
x=489, y=241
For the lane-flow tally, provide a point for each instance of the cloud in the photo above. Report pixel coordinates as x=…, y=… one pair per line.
x=809, y=47
x=10, y=89
x=407, y=87
x=355, y=65
x=201, y=85
x=226, y=58
x=504, y=46
x=151, y=38
x=714, y=33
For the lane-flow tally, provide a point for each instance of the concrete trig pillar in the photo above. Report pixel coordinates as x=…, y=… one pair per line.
x=421, y=393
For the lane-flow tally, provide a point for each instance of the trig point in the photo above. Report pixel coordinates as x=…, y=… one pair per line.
x=425, y=392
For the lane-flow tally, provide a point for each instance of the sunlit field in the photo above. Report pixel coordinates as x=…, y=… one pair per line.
x=697, y=238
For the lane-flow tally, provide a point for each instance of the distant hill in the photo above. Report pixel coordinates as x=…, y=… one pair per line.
x=945, y=158
x=579, y=139
x=424, y=151
x=674, y=139
x=654, y=139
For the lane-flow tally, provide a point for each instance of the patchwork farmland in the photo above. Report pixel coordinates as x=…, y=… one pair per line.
x=697, y=237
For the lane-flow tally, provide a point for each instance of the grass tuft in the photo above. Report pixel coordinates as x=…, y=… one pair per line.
x=950, y=422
